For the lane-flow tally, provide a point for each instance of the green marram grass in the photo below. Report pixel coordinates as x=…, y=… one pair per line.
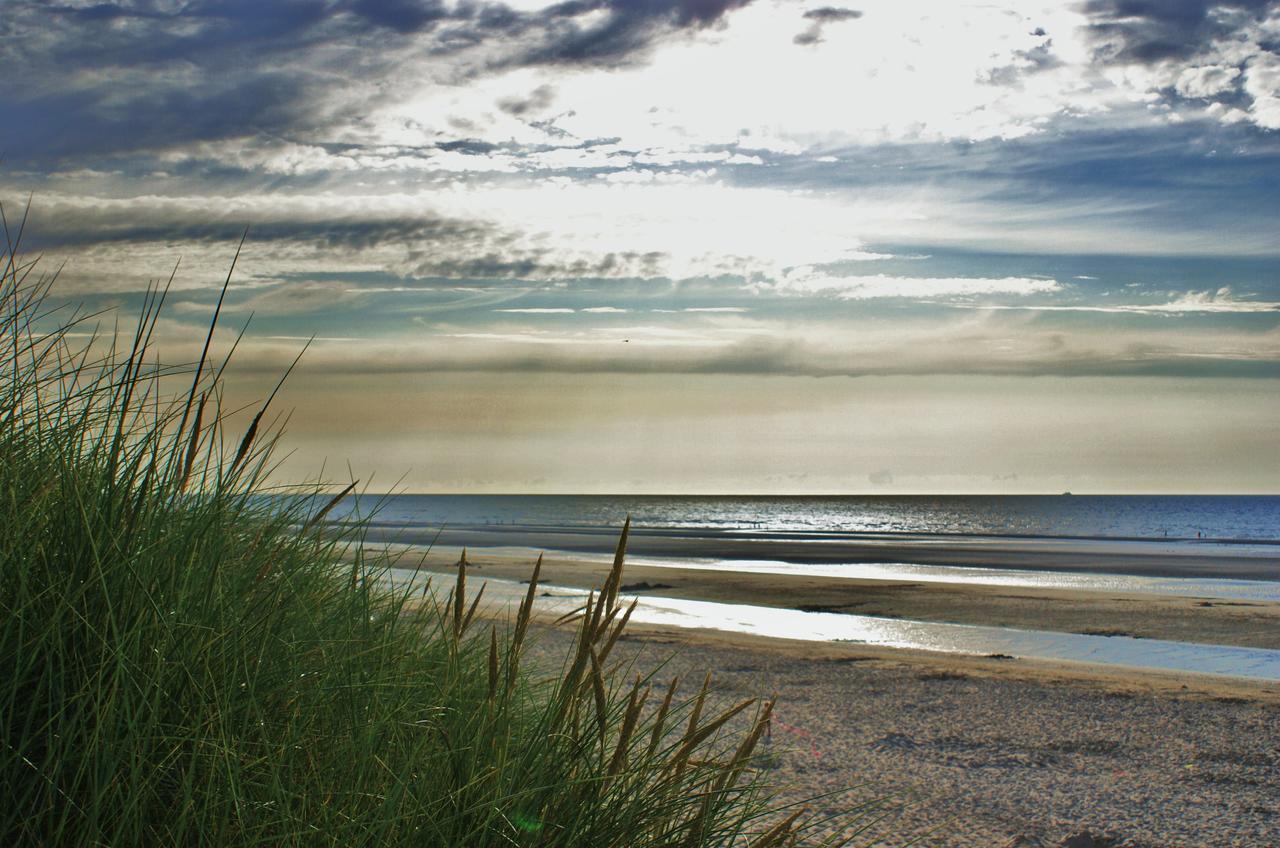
x=185, y=661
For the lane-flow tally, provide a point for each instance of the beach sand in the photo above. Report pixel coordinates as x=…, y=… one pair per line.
x=979, y=752
x=968, y=750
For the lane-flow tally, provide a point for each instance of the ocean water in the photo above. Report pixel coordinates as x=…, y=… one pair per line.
x=1230, y=518
x=1160, y=528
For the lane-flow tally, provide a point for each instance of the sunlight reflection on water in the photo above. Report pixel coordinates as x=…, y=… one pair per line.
x=1124, y=651
x=1256, y=590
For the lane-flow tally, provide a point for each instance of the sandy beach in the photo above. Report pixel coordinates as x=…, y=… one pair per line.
x=971, y=750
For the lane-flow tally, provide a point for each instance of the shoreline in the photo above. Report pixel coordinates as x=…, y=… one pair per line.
x=1116, y=680
x=1145, y=558
x=1206, y=620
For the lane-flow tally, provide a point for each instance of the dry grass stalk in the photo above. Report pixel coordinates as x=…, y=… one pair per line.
x=659, y=722
x=319, y=516
x=635, y=703
x=194, y=443
x=781, y=833
x=493, y=662
x=601, y=698
x=471, y=611
x=459, y=594
x=523, y=616
x=695, y=736
x=251, y=434
x=743, y=755
x=617, y=631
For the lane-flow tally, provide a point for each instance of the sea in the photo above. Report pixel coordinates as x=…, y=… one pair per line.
x=1243, y=529
x=1227, y=518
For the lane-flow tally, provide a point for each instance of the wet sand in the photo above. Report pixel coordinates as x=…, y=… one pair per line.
x=1227, y=622
x=1149, y=557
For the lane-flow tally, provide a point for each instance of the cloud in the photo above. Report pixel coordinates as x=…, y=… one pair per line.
x=171, y=220
x=291, y=298
x=1221, y=301
x=1148, y=31
x=625, y=31
x=404, y=16
x=82, y=80
x=849, y=343
x=85, y=79
x=538, y=100
x=808, y=280
x=301, y=234
x=828, y=14
x=1219, y=50
x=819, y=18
x=540, y=310
x=982, y=346
x=1206, y=80
x=1262, y=83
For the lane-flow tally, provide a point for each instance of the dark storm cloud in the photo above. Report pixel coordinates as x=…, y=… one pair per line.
x=540, y=98
x=142, y=76
x=469, y=146
x=627, y=31
x=820, y=18
x=63, y=227
x=1025, y=62
x=140, y=32
x=536, y=264
x=403, y=16
x=421, y=244
x=105, y=79
x=70, y=124
x=828, y=14
x=1146, y=31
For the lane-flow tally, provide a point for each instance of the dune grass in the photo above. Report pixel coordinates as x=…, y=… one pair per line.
x=184, y=660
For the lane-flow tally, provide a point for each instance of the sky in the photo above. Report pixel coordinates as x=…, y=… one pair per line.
x=686, y=246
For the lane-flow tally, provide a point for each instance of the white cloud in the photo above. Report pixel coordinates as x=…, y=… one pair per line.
x=1206, y=80
x=1239, y=66
x=604, y=340
x=809, y=281
x=1221, y=301
x=702, y=228
x=975, y=342
x=1226, y=114
x=1262, y=82
x=962, y=71
x=293, y=297
x=540, y=310
x=606, y=310
x=317, y=339
x=902, y=75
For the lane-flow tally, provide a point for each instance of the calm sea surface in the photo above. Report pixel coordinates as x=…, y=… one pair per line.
x=1233, y=520
x=1237, y=518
